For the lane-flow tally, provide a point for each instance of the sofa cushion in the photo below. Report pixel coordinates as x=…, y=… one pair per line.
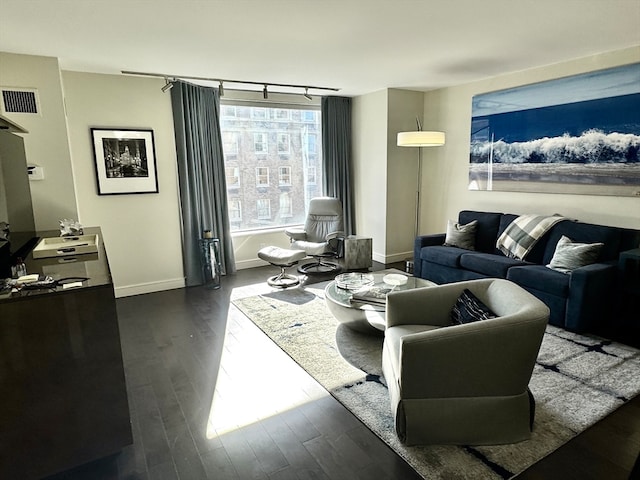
x=585, y=233
x=461, y=236
x=489, y=264
x=441, y=255
x=571, y=255
x=540, y=278
x=487, y=229
x=469, y=308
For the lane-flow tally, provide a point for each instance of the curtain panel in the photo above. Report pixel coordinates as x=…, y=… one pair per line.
x=336, y=148
x=201, y=176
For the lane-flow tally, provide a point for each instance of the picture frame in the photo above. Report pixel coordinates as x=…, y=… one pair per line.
x=125, y=161
x=578, y=135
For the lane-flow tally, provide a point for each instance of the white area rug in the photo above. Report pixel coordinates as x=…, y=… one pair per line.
x=576, y=381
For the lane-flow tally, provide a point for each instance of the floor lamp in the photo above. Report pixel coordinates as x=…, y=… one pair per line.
x=420, y=138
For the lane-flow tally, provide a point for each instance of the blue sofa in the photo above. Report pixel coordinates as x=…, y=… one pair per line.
x=582, y=301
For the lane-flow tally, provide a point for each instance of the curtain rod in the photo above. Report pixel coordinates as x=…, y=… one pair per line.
x=226, y=80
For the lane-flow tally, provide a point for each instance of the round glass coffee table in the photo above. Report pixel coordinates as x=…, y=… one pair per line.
x=360, y=314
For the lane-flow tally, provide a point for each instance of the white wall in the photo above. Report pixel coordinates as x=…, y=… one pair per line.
x=445, y=177
x=369, y=127
x=141, y=232
x=404, y=106
x=46, y=144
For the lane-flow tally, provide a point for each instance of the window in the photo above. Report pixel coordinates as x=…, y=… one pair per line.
x=309, y=116
x=259, y=113
x=262, y=176
x=260, y=142
x=235, y=210
x=286, y=206
x=263, y=207
x=227, y=110
x=284, y=176
x=311, y=176
x=294, y=159
x=230, y=143
x=281, y=114
x=283, y=143
x=233, y=177
x=311, y=143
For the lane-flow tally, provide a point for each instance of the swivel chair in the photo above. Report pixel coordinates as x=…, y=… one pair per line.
x=464, y=384
x=322, y=235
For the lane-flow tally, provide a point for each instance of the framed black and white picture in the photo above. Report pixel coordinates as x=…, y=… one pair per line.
x=125, y=161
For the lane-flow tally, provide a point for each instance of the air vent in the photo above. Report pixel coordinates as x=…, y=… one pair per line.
x=20, y=100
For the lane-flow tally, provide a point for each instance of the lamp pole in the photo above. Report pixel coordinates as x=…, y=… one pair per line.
x=420, y=139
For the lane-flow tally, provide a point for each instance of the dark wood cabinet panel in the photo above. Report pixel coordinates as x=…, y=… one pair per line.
x=63, y=398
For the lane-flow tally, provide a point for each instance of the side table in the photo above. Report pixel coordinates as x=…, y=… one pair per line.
x=357, y=253
x=209, y=258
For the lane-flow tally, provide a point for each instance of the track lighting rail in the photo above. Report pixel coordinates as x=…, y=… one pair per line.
x=170, y=77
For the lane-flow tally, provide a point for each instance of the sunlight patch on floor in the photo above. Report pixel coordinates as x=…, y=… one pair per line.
x=256, y=378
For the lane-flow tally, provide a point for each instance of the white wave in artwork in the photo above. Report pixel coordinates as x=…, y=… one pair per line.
x=593, y=146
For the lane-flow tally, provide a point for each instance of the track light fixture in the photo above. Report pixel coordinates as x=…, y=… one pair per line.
x=306, y=94
x=169, y=79
x=167, y=85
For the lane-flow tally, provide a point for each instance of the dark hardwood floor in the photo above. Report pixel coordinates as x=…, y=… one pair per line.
x=183, y=348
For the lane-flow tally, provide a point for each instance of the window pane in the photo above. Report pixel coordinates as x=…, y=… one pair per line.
x=233, y=177
x=260, y=144
x=295, y=135
x=264, y=208
x=283, y=143
x=284, y=176
x=262, y=176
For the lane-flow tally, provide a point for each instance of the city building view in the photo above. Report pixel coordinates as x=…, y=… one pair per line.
x=273, y=163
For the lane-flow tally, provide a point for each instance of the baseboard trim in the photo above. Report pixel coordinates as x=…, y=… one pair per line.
x=149, y=287
x=252, y=263
x=396, y=257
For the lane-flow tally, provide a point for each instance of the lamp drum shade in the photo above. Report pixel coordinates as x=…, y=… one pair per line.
x=421, y=139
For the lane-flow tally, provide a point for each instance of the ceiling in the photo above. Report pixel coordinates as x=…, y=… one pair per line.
x=359, y=46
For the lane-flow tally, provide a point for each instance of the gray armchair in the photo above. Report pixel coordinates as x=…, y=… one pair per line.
x=465, y=384
x=320, y=238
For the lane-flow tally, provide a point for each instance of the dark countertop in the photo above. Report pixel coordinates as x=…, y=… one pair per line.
x=92, y=266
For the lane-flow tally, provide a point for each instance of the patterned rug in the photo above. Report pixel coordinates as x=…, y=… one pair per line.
x=577, y=381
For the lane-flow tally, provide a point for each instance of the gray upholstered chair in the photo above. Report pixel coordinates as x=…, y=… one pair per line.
x=320, y=237
x=464, y=384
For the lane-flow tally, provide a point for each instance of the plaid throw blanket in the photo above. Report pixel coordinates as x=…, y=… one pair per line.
x=521, y=235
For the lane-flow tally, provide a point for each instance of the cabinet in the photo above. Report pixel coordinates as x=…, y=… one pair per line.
x=64, y=399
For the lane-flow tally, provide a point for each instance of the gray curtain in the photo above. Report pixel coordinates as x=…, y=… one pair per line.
x=336, y=151
x=201, y=176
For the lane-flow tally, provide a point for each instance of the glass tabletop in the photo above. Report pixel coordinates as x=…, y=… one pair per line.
x=345, y=297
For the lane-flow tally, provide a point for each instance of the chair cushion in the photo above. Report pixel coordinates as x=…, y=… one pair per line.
x=488, y=264
x=311, y=248
x=461, y=236
x=280, y=256
x=469, y=308
x=571, y=255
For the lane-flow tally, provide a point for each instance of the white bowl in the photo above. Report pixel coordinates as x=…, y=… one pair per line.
x=395, y=279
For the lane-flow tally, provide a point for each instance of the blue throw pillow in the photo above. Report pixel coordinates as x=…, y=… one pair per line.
x=469, y=308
